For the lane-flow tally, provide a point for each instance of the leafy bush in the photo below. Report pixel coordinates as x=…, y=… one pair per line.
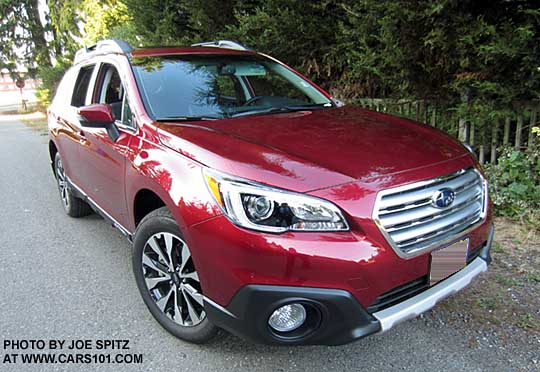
x=50, y=78
x=514, y=184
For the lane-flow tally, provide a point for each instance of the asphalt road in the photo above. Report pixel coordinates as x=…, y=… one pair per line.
x=65, y=278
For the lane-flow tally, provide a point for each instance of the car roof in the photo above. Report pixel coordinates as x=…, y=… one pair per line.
x=120, y=47
x=164, y=51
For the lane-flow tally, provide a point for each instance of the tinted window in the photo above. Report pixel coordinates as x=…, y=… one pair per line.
x=219, y=86
x=127, y=115
x=81, y=86
x=110, y=89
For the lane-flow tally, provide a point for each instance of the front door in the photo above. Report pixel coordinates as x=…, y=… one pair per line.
x=103, y=160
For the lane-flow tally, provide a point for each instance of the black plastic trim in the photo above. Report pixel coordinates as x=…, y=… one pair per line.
x=77, y=192
x=342, y=318
x=485, y=252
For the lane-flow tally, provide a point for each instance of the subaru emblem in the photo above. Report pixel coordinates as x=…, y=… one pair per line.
x=443, y=198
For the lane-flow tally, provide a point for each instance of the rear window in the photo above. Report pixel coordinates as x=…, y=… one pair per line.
x=81, y=86
x=65, y=88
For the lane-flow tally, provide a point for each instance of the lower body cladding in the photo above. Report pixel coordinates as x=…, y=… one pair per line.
x=299, y=315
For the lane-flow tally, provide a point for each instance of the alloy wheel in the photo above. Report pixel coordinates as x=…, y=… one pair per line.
x=62, y=183
x=172, y=280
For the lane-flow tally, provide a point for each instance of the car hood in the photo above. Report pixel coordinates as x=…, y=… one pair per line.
x=308, y=150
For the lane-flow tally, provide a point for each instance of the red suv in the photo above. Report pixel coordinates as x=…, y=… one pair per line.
x=258, y=204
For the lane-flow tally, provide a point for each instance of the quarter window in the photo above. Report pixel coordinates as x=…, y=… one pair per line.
x=127, y=115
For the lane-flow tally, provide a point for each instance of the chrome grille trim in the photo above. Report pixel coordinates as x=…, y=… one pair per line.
x=411, y=225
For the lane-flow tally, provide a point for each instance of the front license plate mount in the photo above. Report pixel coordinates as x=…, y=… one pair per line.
x=447, y=260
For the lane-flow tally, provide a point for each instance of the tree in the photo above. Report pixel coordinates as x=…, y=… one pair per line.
x=63, y=22
x=443, y=49
x=22, y=36
x=102, y=18
x=302, y=33
x=160, y=22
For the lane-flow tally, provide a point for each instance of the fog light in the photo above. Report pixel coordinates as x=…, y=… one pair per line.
x=288, y=318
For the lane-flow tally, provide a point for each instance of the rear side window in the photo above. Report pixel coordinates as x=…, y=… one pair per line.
x=81, y=86
x=65, y=88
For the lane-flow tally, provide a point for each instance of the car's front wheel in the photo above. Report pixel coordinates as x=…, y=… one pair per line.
x=168, y=280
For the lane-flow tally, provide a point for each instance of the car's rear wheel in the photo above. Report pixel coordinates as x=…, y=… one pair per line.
x=73, y=206
x=168, y=280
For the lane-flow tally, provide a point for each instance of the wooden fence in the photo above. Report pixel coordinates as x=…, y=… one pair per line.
x=487, y=138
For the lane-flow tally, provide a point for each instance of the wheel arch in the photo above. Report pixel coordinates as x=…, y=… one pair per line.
x=53, y=150
x=145, y=202
x=175, y=180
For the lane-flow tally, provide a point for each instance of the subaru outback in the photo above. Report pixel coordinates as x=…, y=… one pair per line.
x=257, y=203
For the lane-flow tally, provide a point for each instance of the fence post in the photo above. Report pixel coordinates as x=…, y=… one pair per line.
x=531, y=125
x=506, y=137
x=482, y=155
x=519, y=129
x=462, y=134
x=494, y=135
x=434, y=117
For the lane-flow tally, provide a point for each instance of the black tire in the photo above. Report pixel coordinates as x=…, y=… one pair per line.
x=154, y=230
x=73, y=206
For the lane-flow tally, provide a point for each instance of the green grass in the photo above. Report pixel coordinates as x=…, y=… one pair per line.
x=497, y=248
x=527, y=321
x=506, y=280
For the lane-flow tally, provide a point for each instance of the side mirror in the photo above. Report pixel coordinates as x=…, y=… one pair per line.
x=99, y=116
x=338, y=103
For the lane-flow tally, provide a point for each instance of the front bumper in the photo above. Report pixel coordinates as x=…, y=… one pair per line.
x=338, y=318
x=424, y=301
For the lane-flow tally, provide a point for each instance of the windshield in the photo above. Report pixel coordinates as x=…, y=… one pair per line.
x=219, y=86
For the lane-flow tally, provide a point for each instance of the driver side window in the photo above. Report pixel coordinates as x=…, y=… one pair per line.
x=111, y=91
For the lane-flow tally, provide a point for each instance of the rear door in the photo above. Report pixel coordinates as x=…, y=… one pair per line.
x=104, y=161
x=73, y=92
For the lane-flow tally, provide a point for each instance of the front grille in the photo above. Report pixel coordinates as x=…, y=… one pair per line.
x=413, y=225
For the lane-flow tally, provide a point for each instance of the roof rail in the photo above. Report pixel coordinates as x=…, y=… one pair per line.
x=227, y=44
x=102, y=47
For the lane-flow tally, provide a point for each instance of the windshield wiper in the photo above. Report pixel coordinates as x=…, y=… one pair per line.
x=187, y=118
x=278, y=109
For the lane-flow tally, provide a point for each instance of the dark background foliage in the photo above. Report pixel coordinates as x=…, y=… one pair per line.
x=441, y=50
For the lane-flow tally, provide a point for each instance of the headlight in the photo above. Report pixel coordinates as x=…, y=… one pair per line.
x=264, y=208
